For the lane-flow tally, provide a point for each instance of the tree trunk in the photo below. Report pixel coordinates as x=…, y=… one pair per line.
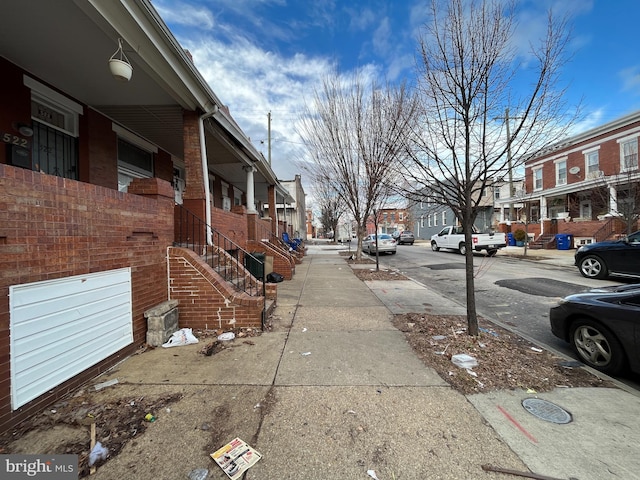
x=472, y=316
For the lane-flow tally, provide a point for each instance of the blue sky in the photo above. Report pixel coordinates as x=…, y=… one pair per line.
x=263, y=56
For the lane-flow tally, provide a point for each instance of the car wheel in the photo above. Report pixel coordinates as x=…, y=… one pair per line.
x=492, y=253
x=462, y=248
x=593, y=266
x=597, y=346
x=435, y=247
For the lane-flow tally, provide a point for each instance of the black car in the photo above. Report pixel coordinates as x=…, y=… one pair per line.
x=618, y=257
x=602, y=326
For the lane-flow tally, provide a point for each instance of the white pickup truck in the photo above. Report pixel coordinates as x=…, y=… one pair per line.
x=453, y=238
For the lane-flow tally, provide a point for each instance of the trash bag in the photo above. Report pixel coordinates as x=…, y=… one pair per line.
x=183, y=336
x=274, y=277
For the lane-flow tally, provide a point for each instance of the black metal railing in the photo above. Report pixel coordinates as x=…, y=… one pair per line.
x=605, y=231
x=241, y=269
x=266, y=234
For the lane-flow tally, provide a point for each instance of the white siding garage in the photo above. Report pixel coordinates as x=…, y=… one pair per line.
x=59, y=328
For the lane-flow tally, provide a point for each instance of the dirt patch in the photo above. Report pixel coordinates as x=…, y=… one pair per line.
x=505, y=361
x=373, y=274
x=64, y=428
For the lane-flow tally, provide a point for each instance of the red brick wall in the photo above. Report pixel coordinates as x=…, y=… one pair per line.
x=230, y=224
x=15, y=102
x=97, y=138
x=608, y=156
x=52, y=227
x=206, y=301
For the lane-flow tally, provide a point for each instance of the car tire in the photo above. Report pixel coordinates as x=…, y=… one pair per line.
x=492, y=253
x=462, y=248
x=593, y=266
x=596, y=346
x=435, y=247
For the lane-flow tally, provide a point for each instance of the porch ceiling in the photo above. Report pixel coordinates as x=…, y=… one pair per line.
x=67, y=44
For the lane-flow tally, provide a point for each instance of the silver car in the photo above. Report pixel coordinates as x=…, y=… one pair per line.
x=386, y=244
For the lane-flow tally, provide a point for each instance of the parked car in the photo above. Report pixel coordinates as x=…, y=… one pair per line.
x=453, y=237
x=617, y=257
x=403, y=237
x=602, y=327
x=386, y=244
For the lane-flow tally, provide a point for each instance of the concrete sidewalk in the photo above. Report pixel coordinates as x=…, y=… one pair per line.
x=334, y=390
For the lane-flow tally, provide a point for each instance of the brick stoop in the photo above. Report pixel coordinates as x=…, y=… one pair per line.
x=205, y=299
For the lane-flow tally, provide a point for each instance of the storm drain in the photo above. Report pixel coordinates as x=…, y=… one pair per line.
x=547, y=411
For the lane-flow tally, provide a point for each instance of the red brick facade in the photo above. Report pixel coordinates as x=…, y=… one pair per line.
x=52, y=227
x=206, y=301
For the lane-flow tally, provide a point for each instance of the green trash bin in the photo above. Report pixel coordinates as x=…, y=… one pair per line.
x=255, y=264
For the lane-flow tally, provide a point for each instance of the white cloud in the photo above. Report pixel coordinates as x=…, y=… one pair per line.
x=630, y=79
x=186, y=15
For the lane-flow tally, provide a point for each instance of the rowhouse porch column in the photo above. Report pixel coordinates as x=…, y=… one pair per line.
x=613, y=200
x=251, y=201
x=273, y=211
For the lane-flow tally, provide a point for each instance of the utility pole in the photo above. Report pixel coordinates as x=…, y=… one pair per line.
x=512, y=192
x=269, y=137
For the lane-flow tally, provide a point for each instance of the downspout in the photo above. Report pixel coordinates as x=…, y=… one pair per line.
x=205, y=170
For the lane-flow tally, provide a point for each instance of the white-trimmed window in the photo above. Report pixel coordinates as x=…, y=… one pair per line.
x=421, y=221
x=592, y=163
x=135, y=157
x=55, y=131
x=226, y=201
x=628, y=153
x=429, y=220
x=237, y=196
x=444, y=218
x=435, y=219
x=561, y=171
x=537, y=178
x=178, y=181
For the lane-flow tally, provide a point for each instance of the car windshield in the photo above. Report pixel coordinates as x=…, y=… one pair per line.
x=384, y=236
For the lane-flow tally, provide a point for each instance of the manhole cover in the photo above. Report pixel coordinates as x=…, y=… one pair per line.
x=547, y=411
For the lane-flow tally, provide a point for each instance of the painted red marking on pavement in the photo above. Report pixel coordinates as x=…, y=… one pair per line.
x=514, y=421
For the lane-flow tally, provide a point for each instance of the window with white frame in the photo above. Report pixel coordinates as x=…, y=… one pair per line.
x=421, y=221
x=561, y=172
x=592, y=163
x=435, y=219
x=444, y=218
x=135, y=157
x=537, y=178
x=55, y=131
x=429, y=220
x=628, y=154
x=496, y=193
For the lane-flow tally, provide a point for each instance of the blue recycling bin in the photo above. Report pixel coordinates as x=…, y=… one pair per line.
x=511, y=240
x=563, y=240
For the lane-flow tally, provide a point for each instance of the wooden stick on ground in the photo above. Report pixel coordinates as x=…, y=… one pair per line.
x=92, y=470
x=491, y=468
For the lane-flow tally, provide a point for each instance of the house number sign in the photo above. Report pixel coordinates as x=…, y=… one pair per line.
x=14, y=140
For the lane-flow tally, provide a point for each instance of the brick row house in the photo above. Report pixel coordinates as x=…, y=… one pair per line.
x=587, y=186
x=115, y=195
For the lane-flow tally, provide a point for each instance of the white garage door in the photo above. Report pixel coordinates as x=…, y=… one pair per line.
x=59, y=328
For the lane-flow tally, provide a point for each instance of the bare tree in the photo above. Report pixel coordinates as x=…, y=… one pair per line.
x=330, y=205
x=354, y=133
x=468, y=70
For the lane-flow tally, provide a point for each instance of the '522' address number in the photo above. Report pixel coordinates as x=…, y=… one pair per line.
x=14, y=140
